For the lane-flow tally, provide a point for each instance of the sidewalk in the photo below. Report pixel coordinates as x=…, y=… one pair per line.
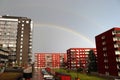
x=10, y=76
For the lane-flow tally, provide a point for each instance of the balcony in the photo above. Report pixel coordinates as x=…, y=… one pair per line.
x=117, y=35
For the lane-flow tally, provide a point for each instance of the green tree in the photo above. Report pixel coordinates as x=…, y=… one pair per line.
x=92, y=62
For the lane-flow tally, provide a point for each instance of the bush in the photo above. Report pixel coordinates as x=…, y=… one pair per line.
x=79, y=69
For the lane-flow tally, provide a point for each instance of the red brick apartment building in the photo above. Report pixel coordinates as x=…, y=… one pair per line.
x=77, y=57
x=108, y=52
x=53, y=60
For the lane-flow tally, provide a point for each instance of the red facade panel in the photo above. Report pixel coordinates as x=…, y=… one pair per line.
x=52, y=60
x=55, y=60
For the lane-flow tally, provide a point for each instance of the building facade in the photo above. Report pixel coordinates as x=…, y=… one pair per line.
x=16, y=35
x=4, y=57
x=52, y=60
x=108, y=51
x=78, y=57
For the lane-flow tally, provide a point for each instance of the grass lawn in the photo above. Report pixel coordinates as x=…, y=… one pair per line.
x=80, y=75
x=10, y=76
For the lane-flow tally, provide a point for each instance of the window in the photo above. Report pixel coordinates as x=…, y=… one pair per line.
x=114, y=39
x=20, y=54
x=21, y=35
x=118, y=59
x=116, y=46
x=21, y=39
x=18, y=21
x=20, y=58
x=115, y=32
x=104, y=49
x=23, y=21
x=103, y=43
x=22, y=32
x=105, y=60
x=106, y=67
x=21, y=46
x=117, y=52
x=21, y=42
x=11, y=45
x=22, y=24
x=20, y=50
x=22, y=28
x=107, y=73
x=27, y=21
x=105, y=54
x=118, y=73
x=103, y=37
x=118, y=67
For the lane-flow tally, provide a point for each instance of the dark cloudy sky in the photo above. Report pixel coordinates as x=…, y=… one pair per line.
x=63, y=24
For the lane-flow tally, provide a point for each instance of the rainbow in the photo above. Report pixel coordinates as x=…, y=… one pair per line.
x=66, y=30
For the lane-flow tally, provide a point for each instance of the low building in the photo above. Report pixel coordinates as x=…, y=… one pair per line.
x=52, y=60
x=78, y=57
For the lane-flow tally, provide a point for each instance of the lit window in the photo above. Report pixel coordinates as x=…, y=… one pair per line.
x=21, y=39
x=21, y=46
x=20, y=58
x=20, y=54
x=22, y=28
x=27, y=21
x=21, y=42
x=18, y=21
x=114, y=39
x=117, y=52
x=117, y=59
x=21, y=35
x=113, y=32
x=22, y=24
x=30, y=46
x=116, y=46
x=23, y=21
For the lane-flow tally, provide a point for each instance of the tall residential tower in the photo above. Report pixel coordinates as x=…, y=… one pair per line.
x=108, y=52
x=16, y=36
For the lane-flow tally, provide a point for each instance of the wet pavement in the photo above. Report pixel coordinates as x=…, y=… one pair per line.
x=37, y=75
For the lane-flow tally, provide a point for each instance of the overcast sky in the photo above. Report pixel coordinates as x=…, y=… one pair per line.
x=63, y=24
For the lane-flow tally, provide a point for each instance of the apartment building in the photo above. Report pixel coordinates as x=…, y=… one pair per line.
x=16, y=35
x=52, y=60
x=78, y=57
x=108, y=52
